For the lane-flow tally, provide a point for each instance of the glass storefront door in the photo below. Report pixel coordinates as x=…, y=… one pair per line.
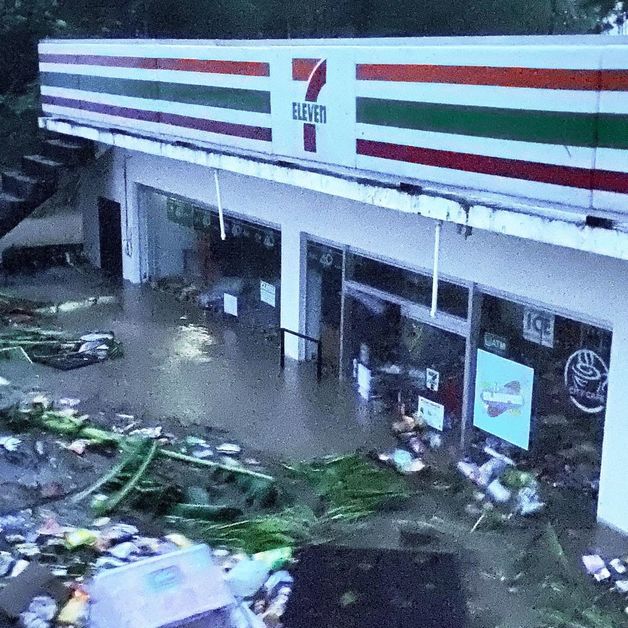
x=489, y=372
x=240, y=276
x=395, y=357
x=565, y=401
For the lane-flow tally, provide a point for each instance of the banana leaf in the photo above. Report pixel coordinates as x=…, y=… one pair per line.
x=352, y=482
x=146, y=452
x=62, y=423
x=14, y=353
x=98, y=436
x=287, y=528
x=133, y=451
x=201, y=462
x=207, y=512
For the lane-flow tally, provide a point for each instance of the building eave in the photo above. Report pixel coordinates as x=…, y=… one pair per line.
x=554, y=225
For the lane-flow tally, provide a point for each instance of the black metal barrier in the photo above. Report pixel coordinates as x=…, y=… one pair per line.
x=319, y=350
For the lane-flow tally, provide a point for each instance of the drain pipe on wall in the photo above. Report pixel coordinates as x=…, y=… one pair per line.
x=439, y=226
x=128, y=242
x=221, y=216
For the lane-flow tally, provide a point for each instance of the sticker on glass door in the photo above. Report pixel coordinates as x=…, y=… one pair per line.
x=503, y=398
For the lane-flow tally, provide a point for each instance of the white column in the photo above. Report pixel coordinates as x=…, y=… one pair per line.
x=132, y=249
x=293, y=264
x=613, y=498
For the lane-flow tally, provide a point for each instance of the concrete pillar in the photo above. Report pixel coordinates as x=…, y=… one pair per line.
x=132, y=249
x=293, y=264
x=613, y=497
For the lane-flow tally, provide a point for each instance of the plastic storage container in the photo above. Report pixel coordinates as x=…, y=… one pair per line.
x=161, y=591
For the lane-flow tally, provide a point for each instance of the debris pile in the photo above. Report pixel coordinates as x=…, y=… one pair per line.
x=415, y=439
x=58, y=349
x=54, y=574
x=576, y=466
x=202, y=488
x=204, y=294
x=160, y=489
x=499, y=481
x=562, y=597
x=32, y=259
x=610, y=572
x=181, y=289
x=23, y=338
x=341, y=488
x=489, y=466
x=16, y=311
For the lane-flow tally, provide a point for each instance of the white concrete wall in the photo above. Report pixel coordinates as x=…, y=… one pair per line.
x=589, y=286
x=106, y=178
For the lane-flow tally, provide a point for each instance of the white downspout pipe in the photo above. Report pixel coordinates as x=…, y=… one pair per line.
x=439, y=226
x=221, y=216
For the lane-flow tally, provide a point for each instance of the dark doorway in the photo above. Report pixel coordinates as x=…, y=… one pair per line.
x=109, y=221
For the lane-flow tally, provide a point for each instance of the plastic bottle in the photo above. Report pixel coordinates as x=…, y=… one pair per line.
x=276, y=609
x=247, y=578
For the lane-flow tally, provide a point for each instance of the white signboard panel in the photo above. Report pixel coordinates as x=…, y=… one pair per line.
x=267, y=293
x=538, y=326
x=432, y=413
x=230, y=304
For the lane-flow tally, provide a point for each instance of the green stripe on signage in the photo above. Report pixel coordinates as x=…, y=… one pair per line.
x=545, y=127
x=207, y=95
x=613, y=131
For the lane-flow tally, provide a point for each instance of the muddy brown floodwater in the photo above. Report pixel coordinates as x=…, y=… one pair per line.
x=194, y=373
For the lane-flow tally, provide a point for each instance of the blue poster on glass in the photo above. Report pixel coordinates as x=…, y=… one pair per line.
x=503, y=398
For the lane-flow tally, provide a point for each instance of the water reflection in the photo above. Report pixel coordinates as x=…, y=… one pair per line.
x=191, y=343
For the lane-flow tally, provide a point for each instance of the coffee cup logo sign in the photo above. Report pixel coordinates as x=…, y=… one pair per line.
x=327, y=259
x=586, y=380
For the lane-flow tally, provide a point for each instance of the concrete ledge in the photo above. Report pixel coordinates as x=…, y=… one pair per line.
x=560, y=226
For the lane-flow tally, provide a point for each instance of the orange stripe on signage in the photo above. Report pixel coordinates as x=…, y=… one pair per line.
x=244, y=68
x=536, y=78
x=209, y=66
x=303, y=68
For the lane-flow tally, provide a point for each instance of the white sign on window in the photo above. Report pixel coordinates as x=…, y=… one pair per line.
x=432, y=413
x=538, y=326
x=432, y=379
x=230, y=304
x=267, y=293
x=364, y=381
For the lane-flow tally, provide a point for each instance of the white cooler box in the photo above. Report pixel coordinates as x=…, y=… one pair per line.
x=183, y=588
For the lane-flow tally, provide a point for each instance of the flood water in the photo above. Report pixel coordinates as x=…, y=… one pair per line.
x=192, y=372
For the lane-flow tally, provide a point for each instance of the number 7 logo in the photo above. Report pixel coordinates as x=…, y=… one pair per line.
x=314, y=71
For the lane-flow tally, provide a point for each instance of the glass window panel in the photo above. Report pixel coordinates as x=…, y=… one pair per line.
x=407, y=284
x=185, y=249
x=571, y=361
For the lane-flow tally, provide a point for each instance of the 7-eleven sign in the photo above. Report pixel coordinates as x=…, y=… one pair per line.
x=314, y=73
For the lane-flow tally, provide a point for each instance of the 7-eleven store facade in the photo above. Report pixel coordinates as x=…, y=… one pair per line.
x=447, y=216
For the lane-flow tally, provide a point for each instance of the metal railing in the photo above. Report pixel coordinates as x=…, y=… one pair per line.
x=319, y=350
